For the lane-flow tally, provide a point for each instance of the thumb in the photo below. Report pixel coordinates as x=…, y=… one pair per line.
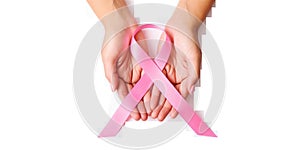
x=187, y=86
x=114, y=81
x=191, y=83
x=111, y=73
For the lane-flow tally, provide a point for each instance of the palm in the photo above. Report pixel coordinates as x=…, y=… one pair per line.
x=182, y=69
x=119, y=69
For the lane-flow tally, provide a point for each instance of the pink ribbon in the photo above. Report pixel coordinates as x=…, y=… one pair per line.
x=153, y=73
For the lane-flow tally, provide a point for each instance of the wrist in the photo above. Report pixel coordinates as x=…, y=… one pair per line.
x=118, y=20
x=198, y=8
x=115, y=15
x=184, y=22
x=104, y=7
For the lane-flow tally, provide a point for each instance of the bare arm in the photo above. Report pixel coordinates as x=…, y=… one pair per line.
x=183, y=29
x=119, y=69
x=198, y=8
x=103, y=7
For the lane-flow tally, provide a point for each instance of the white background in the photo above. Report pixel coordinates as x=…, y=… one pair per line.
x=259, y=40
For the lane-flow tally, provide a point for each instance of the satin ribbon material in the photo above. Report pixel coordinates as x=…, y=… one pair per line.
x=154, y=75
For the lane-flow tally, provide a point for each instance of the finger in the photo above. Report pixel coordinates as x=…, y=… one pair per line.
x=147, y=100
x=135, y=114
x=196, y=60
x=136, y=73
x=170, y=73
x=161, y=98
x=142, y=110
x=189, y=85
x=164, y=111
x=173, y=113
x=114, y=81
x=195, y=64
x=128, y=118
x=191, y=81
x=158, y=107
x=122, y=89
x=191, y=88
x=155, y=97
x=156, y=111
x=122, y=92
x=182, y=89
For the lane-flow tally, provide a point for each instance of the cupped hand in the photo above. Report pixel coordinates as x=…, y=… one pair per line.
x=182, y=70
x=119, y=69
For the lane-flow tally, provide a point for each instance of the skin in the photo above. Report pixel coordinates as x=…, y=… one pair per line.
x=183, y=68
x=119, y=69
x=117, y=61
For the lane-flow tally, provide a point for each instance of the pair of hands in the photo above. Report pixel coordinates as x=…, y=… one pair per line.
x=182, y=70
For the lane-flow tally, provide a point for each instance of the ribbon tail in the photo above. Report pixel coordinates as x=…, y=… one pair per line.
x=200, y=127
x=116, y=123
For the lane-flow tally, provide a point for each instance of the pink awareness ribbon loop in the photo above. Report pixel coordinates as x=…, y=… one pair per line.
x=153, y=73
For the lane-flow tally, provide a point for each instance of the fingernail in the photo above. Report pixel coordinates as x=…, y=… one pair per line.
x=160, y=118
x=144, y=117
x=128, y=118
x=153, y=115
x=172, y=115
x=192, y=89
x=112, y=88
x=149, y=113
